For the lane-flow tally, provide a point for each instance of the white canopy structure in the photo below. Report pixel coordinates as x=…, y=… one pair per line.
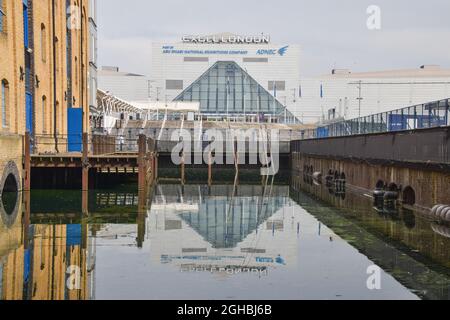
x=110, y=109
x=107, y=104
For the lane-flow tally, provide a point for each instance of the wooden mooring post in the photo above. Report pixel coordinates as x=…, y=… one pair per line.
x=210, y=179
x=85, y=164
x=183, y=174
x=85, y=176
x=155, y=172
x=142, y=163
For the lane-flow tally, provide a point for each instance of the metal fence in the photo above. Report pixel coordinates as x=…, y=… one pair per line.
x=429, y=146
x=428, y=115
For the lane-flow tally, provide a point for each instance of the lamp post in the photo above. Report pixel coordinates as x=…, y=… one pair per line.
x=360, y=98
x=274, y=97
x=244, y=94
x=227, y=88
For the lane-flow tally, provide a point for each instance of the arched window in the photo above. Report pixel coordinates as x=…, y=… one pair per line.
x=58, y=114
x=2, y=15
x=43, y=43
x=76, y=71
x=44, y=114
x=56, y=44
x=5, y=103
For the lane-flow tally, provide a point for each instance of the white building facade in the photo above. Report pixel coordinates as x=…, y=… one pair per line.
x=127, y=86
x=346, y=95
x=92, y=72
x=275, y=67
x=181, y=69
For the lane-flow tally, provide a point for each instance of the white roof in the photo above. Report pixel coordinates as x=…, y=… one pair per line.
x=426, y=71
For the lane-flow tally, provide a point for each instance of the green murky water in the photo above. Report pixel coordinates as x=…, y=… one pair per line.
x=220, y=242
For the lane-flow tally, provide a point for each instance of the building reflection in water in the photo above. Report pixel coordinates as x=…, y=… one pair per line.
x=200, y=228
x=49, y=251
x=49, y=260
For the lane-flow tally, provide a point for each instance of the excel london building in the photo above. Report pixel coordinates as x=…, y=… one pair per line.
x=230, y=75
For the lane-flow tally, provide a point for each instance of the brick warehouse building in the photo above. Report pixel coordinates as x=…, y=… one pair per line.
x=44, y=63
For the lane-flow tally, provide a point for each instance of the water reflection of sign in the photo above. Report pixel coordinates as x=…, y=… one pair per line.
x=165, y=259
x=277, y=260
x=230, y=270
x=168, y=258
x=253, y=250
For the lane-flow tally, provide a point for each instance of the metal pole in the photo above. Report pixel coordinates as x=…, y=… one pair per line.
x=228, y=97
x=55, y=130
x=274, y=98
x=359, y=104
x=244, y=94
x=359, y=98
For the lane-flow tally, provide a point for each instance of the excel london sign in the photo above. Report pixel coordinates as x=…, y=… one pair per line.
x=263, y=39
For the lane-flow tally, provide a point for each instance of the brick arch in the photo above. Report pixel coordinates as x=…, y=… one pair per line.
x=409, y=196
x=10, y=176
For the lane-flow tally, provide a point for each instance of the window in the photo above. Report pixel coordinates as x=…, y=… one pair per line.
x=2, y=16
x=174, y=84
x=60, y=113
x=265, y=60
x=43, y=43
x=5, y=103
x=44, y=111
x=76, y=71
x=278, y=85
x=26, y=37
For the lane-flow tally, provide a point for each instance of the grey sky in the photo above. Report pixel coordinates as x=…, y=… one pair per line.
x=332, y=33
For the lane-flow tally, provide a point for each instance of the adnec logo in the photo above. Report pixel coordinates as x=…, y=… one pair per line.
x=272, y=52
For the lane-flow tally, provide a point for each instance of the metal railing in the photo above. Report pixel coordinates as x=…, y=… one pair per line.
x=428, y=115
x=97, y=144
x=104, y=144
x=117, y=142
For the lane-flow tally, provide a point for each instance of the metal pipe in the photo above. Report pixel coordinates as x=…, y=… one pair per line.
x=54, y=76
x=81, y=67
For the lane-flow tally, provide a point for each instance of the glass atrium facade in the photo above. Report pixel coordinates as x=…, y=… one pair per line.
x=227, y=90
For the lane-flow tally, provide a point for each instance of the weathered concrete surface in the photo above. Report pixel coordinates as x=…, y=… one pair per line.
x=417, y=159
x=430, y=187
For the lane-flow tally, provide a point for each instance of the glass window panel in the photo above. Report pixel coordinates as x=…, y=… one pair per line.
x=221, y=104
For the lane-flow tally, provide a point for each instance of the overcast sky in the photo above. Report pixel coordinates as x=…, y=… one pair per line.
x=332, y=33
